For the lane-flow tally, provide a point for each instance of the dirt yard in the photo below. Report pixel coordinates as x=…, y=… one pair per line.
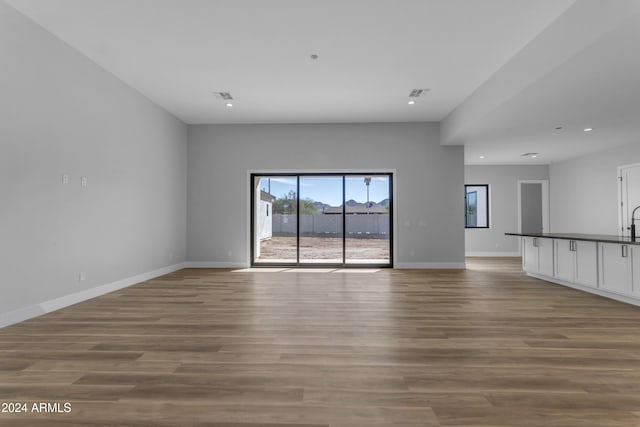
x=324, y=248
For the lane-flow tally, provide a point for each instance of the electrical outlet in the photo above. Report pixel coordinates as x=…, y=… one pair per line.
x=65, y=179
x=83, y=181
x=82, y=276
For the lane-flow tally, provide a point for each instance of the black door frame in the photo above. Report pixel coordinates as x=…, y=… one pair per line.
x=297, y=263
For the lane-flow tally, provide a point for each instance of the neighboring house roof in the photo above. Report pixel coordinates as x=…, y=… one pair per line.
x=358, y=210
x=264, y=196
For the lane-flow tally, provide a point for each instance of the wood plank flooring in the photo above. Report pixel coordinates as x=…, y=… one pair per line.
x=486, y=346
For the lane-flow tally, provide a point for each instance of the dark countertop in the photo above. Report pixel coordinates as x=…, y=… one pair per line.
x=577, y=236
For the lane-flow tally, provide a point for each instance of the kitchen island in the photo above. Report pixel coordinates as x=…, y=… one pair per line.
x=605, y=265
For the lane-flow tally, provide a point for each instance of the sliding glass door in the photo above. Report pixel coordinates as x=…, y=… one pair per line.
x=321, y=219
x=321, y=235
x=275, y=219
x=367, y=225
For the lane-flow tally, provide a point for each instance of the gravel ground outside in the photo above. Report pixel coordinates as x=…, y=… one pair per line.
x=324, y=248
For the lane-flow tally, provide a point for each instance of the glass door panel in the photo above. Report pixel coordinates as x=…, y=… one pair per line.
x=472, y=209
x=275, y=219
x=321, y=220
x=368, y=219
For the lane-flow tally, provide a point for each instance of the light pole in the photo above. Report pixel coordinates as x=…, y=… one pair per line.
x=367, y=181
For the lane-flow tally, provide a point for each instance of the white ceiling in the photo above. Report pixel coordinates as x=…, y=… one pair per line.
x=583, y=72
x=502, y=74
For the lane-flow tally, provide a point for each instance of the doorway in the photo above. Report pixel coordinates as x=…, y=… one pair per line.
x=332, y=219
x=533, y=206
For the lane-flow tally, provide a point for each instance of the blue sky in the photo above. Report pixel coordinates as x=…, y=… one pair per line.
x=328, y=189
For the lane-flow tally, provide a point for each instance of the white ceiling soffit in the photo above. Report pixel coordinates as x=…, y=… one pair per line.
x=582, y=72
x=371, y=53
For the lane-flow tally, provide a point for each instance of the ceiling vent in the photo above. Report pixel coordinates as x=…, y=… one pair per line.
x=529, y=155
x=415, y=93
x=224, y=95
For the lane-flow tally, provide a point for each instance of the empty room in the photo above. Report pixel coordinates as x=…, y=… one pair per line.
x=306, y=213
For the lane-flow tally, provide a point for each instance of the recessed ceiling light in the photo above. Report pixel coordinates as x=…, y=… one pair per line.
x=229, y=104
x=411, y=102
x=558, y=127
x=534, y=156
x=482, y=157
x=588, y=129
x=314, y=56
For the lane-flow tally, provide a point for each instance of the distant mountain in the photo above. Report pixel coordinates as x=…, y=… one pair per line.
x=352, y=203
x=321, y=206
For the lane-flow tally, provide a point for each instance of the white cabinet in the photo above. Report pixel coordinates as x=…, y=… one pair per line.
x=620, y=269
x=564, y=268
x=576, y=261
x=615, y=268
x=635, y=270
x=529, y=254
x=604, y=265
x=545, y=256
x=537, y=255
x=586, y=263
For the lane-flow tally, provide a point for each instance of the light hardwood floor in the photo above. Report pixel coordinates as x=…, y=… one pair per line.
x=486, y=346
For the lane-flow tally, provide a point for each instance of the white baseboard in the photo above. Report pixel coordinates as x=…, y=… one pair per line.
x=36, y=310
x=214, y=264
x=429, y=265
x=490, y=254
x=20, y=315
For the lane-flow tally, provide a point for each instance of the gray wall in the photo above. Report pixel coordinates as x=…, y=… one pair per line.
x=62, y=114
x=503, y=209
x=584, y=191
x=429, y=182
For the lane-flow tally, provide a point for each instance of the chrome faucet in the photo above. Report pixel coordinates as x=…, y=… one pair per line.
x=633, y=225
